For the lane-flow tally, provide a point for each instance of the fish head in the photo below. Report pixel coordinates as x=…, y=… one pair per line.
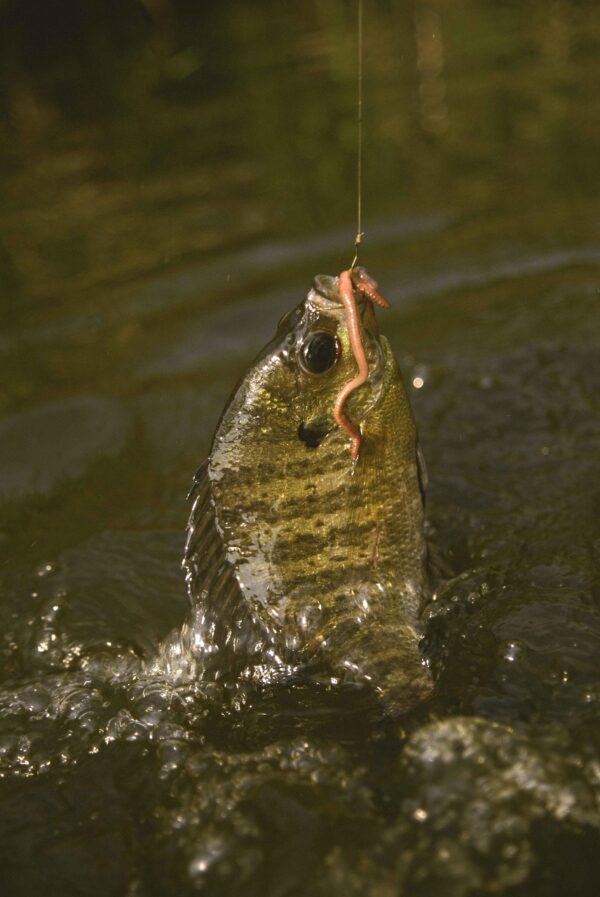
x=287, y=397
x=325, y=361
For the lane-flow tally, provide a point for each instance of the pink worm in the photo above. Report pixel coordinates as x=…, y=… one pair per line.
x=368, y=287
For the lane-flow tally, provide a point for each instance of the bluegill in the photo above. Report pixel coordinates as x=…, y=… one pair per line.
x=305, y=553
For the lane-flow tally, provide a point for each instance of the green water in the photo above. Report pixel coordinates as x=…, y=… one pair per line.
x=172, y=176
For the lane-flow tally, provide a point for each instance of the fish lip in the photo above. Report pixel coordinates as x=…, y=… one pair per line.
x=312, y=435
x=327, y=286
x=325, y=296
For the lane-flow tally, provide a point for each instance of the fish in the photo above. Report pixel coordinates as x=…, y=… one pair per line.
x=305, y=556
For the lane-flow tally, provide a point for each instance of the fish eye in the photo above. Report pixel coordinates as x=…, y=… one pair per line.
x=319, y=352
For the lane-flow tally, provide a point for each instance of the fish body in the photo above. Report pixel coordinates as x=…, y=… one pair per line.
x=301, y=561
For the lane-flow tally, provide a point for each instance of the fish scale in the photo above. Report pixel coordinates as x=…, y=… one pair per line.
x=299, y=559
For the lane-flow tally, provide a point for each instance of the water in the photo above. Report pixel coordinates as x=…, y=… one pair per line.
x=172, y=177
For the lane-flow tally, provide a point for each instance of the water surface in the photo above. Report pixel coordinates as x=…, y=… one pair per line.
x=171, y=179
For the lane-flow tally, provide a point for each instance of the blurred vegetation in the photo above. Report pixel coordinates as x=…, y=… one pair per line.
x=137, y=134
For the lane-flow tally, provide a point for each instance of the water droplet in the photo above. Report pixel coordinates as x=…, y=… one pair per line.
x=211, y=851
x=512, y=651
x=420, y=374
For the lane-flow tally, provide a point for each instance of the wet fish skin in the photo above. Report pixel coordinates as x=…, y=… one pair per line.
x=297, y=559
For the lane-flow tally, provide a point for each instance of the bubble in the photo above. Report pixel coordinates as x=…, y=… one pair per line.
x=172, y=756
x=35, y=699
x=123, y=727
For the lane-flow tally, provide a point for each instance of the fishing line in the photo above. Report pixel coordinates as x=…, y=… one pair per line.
x=359, y=118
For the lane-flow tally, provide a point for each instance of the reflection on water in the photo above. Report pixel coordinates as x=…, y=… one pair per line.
x=172, y=176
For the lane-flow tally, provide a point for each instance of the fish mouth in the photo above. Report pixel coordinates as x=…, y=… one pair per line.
x=312, y=435
x=328, y=287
